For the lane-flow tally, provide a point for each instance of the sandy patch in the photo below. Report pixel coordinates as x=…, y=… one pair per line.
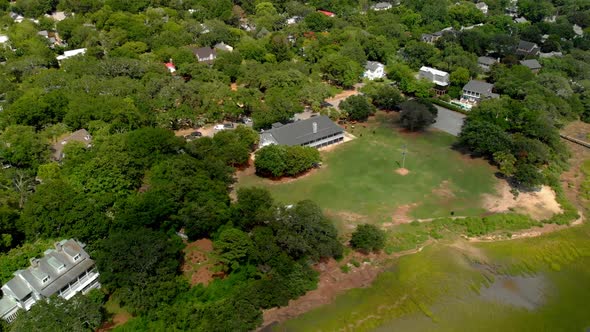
x=402, y=171
x=402, y=215
x=539, y=205
x=197, y=267
x=444, y=190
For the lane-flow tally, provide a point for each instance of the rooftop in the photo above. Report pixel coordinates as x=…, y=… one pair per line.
x=486, y=60
x=533, y=64
x=81, y=135
x=52, y=272
x=373, y=65
x=71, y=53
x=302, y=132
x=484, y=88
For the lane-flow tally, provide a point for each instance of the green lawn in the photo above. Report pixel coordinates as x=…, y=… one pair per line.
x=439, y=290
x=358, y=180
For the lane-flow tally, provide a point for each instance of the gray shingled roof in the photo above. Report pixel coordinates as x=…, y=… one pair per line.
x=49, y=265
x=6, y=304
x=301, y=132
x=482, y=87
x=486, y=60
x=19, y=287
x=532, y=64
x=373, y=65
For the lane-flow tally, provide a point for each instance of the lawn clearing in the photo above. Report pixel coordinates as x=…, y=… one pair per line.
x=360, y=180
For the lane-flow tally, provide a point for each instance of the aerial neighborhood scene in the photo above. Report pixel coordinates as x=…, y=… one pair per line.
x=284, y=165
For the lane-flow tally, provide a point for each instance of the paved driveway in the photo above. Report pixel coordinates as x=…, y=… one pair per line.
x=449, y=121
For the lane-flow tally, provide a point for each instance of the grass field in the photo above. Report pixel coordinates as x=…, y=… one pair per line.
x=358, y=181
x=440, y=289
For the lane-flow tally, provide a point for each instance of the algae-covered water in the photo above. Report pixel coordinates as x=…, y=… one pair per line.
x=537, y=284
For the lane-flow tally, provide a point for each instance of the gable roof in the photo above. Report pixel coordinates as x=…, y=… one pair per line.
x=204, y=52
x=58, y=264
x=327, y=13
x=486, y=60
x=484, y=88
x=373, y=65
x=532, y=64
x=301, y=132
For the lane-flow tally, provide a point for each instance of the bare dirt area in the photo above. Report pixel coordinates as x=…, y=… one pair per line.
x=572, y=179
x=401, y=215
x=333, y=281
x=351, y=219
x=206, y=131
x=539, y=205
x=197, y=266
x=444, y=190
x=341, y=96
x=402, y=171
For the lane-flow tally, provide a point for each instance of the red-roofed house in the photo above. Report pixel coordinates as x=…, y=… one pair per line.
x=327, y=13
x=170, y=66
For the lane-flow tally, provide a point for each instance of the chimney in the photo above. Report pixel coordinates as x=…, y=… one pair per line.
x=58, y=246
x=34, y=262
x=315, y=127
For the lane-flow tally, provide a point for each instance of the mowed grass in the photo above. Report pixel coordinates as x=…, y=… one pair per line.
x=358, y=181
x=438, y=290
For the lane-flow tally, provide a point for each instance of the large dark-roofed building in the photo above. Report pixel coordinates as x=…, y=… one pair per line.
x=315, y=132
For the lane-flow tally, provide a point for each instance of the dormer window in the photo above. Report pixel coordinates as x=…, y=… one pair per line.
x=77, y=257
x=46, y=279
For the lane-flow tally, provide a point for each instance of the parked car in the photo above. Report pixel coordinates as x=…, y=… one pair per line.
x=218, y=127
x=246, y=120
x=196, y=134
x=228, y=125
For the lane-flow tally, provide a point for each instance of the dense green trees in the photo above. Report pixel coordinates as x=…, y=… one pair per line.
x=281, y=160
x=358, y=107
x=367, y=238
x=139, y=180
x=415, y=115
x=80, y=313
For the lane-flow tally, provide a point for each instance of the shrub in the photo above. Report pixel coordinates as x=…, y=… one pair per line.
x=368, y=238
x=281, y=160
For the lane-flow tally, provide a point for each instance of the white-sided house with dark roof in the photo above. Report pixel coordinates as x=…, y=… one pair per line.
x=315, y=132
x=475, y=91
x=486, y=63
x=374, y=70
x=63, y=271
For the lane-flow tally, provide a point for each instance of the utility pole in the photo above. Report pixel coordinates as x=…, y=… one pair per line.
x=404, y=152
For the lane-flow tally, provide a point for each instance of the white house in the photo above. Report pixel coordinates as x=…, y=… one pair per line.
x=223, y=47
x=69, y=54
x=381, y=6
x=374, y=70
x=3, y=39
x=63, y=271
x=438, y=77
x=475, y=91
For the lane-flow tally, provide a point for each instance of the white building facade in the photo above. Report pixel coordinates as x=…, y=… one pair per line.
x=63, y=271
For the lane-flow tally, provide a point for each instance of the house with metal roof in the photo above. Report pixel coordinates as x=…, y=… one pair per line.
x=315, y=132
x=438, y=77
x=475, y=91
x=63, y=271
